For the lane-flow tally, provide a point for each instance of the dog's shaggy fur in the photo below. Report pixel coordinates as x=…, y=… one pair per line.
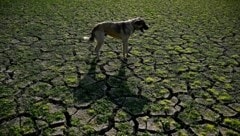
x=120, y=30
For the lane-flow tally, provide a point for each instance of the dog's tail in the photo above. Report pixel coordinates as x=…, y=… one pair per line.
x=89, y=39
x=92, y=36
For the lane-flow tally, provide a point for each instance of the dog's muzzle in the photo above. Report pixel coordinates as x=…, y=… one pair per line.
x=145, y=27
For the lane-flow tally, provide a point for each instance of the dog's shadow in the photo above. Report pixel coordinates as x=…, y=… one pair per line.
x=115, y=88
x=89, y=87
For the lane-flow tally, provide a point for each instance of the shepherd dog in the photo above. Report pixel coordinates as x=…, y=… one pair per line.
x=121, y=30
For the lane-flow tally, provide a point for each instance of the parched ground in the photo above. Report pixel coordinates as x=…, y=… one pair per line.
x=181, y=78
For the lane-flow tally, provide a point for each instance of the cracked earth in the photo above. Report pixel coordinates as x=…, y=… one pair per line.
x=181, y=76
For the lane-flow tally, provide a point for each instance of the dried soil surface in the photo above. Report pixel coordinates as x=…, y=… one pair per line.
x=181, y=78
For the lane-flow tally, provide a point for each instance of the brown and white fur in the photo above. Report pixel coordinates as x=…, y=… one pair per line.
x=120, y=30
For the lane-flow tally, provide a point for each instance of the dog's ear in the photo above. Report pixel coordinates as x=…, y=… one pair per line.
x=138, y=18
x=137, y=22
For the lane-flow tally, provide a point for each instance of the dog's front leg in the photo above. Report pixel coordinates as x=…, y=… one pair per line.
x=125, y=48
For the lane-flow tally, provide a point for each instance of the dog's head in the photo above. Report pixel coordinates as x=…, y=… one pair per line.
x=139, y=24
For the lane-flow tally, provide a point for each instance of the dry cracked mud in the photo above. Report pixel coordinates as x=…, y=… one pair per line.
x=181, y=78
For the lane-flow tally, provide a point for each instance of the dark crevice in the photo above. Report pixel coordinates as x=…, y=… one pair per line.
x=68, y=118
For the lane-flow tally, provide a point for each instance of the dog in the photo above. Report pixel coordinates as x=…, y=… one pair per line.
x=120, y=30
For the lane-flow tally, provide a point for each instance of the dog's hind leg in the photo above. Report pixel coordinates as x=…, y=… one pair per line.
x=99, y=36
x=97, y=49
